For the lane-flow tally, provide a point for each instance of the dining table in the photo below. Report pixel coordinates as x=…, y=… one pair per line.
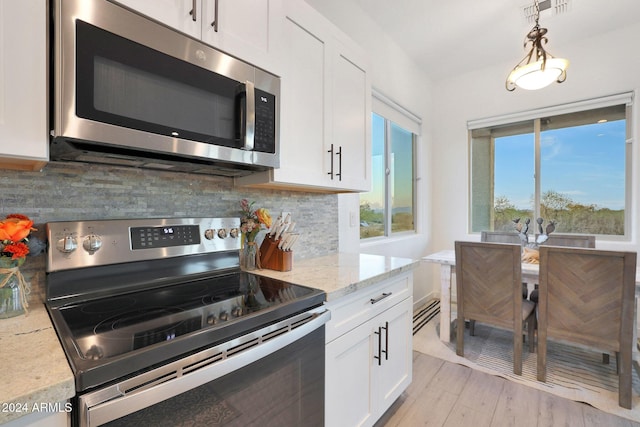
x=530, y=272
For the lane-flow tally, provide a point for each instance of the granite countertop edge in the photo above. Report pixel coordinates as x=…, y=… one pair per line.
x=341, y=274
x=36, y=377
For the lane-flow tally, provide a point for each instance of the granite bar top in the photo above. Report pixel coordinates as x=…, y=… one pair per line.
x=340, y=274
x=35, y=373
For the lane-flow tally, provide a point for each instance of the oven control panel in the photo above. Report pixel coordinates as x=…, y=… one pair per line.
x=164, y=236
x=91, y=243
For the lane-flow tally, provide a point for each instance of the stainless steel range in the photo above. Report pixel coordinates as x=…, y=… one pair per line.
x=158, y=321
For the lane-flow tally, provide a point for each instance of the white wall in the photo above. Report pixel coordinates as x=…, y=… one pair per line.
x=397, y=77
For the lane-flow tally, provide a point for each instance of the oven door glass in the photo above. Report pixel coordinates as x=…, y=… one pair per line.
x=123, y=83
x=283, y=389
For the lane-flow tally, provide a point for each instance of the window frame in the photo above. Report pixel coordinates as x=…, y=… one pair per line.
x=391, y=112
x=535, y=117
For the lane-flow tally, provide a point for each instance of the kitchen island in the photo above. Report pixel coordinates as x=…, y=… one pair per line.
x=36, y=380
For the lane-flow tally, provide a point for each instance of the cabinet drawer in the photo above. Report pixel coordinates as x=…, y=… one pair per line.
x=355, y=309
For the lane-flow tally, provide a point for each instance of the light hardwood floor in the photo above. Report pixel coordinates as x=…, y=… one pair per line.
x=448, y=394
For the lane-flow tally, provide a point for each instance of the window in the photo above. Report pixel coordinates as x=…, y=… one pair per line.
x=572, y=168
x=389, y=207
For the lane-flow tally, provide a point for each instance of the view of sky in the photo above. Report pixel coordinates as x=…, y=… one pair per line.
x=584, y=163
x=401, y=167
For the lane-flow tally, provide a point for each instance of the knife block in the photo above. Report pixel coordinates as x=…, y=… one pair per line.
x=273, y=258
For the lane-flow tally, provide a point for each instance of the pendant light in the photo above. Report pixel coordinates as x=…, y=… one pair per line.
x=538, y=68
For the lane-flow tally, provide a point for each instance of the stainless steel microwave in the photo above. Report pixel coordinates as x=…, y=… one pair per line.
x=128, y=90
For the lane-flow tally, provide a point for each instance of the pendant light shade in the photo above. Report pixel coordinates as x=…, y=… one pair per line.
x=538, y=68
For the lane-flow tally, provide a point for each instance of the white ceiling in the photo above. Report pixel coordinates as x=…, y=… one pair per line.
x=451, y=36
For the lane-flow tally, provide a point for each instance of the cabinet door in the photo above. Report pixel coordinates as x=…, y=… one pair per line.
x=394, y=373
x=248, y=29
x=24, y=136
x=177, y=14
x=303, y=98
x=351, y=119
x=348, y=379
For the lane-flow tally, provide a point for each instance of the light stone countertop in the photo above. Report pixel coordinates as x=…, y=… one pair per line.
x=340, y=274
x=35, y=371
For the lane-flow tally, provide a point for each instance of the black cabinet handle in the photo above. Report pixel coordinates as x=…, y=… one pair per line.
x=380, y=298
x=214, y=24
x=379, y=356
x=386, y=344
x=194, y=11
x=330, y=151
x=339, y=154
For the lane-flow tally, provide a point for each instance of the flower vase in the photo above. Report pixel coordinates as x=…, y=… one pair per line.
x=248, y=256
x=12, y=289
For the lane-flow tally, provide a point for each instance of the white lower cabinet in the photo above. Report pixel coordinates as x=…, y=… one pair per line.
x=368, y=367
x=43, y=419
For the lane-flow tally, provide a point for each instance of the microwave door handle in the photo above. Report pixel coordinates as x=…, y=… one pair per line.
x=250, y=115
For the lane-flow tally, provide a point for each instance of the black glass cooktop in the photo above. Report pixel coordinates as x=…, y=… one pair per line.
x=117, y=325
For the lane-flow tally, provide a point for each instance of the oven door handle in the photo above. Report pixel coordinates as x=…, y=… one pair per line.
x=116, y=401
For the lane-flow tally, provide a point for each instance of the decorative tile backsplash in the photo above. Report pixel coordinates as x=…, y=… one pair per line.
x=78, y=191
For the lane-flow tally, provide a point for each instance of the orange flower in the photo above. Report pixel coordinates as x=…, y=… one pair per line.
x=17, y=250
x=264, y=217
x=15, y=228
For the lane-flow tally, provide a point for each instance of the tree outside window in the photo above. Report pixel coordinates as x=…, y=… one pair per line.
x=570, y=169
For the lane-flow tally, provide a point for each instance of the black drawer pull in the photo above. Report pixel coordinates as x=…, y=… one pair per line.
x=380, y=298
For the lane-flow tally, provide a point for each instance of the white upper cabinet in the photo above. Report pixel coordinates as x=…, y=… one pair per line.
x=247, y=29
x=177, y=14
x=24, y=135
x=325, y=136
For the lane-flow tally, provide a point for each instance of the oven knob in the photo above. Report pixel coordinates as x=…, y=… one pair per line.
x=211, y=319
x=224, y=316
x=233, y=233
x=94, y=353
x=222, y=233
x=209, y=233
x=236, y=312
x=92, y=243
x=67, y=244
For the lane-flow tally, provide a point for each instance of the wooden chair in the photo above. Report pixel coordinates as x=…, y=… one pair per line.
x=587, y=298
x=500, y=237
x=504, y=237
x=488, y=283
x=568, y=240
x=571, y=240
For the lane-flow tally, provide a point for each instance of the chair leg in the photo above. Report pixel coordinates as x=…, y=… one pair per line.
x=531, y=325
x=460, y=336
x=472, y=327
x=605, y=358
x=542, y=356
x=624, y=378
